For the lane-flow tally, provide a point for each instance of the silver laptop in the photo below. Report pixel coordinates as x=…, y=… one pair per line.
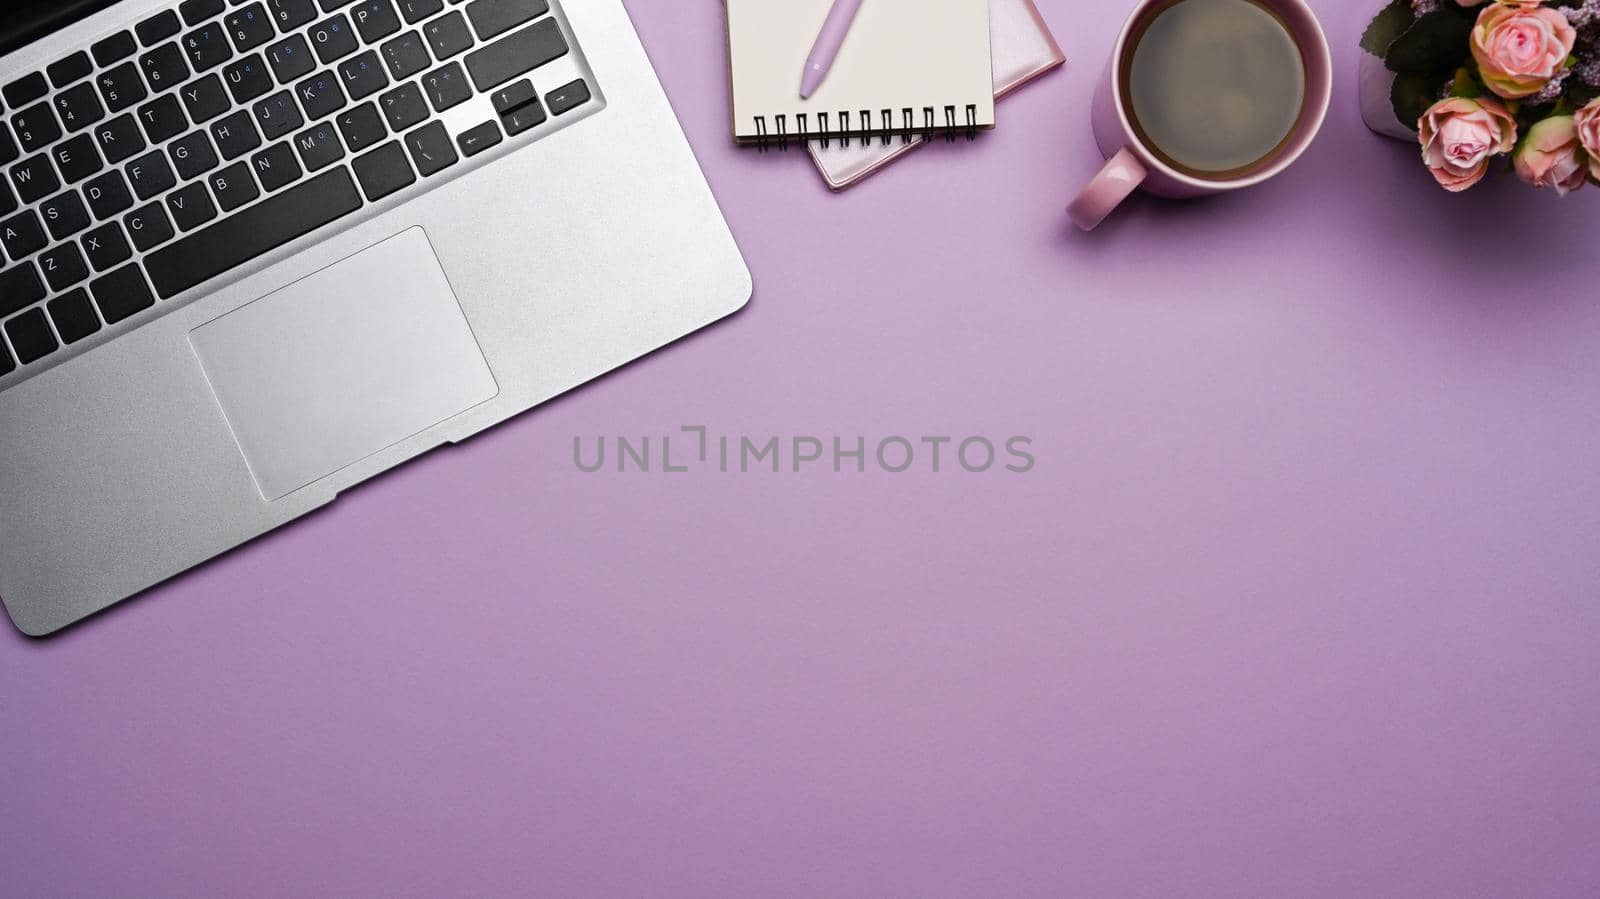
x=254, y=252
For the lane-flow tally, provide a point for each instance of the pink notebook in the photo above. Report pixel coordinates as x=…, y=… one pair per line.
x=1023, y=49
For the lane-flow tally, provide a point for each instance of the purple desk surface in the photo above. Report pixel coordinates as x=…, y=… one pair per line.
x=1300, y=599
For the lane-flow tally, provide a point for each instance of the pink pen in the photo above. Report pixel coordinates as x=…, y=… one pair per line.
x=827, y=45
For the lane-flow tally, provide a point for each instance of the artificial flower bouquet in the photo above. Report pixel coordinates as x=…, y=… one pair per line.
x=1484, y=79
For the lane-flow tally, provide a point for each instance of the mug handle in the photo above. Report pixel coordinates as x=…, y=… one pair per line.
x=1122, y=174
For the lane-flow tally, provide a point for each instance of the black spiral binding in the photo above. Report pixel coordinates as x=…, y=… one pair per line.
x=864, y=125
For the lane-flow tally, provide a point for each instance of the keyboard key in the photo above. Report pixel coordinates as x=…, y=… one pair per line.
x=192, y=155
x=233, y=186
x=163, y=119
x=496, y=17
x=157, y=28
x=148, y=227
x=196, y=11
x=8, y=201
x=518, y=54
x=415, y=11
x=74, y=315
x=31, y=336
x=22, y=236
x=383, y=171
x=403, y=107
x=514, y=95
x=406, y=56
x=362, y=128
x=106, y=246
x=447, y=35
x=362, y=75
x=247, y=78
x=76, y=158
x=191, y=206
x=431, y=148
x=446, y=86
x=291, y=14
x=333, y=39
x=119, y=138
x=121, y=87
x=331, y=5
x=20, y=288
x=375, y=20
x=117, y=47
x=7, y=364
x=249, y=27
x=235, y=135
x=276, y=167
x=36, y=127
x=320, y=95
x=253, y=231
x=567, y=97
x=64, y=215
x=524, y=117
x=164, y=67
x=26, y=89
x=79, y=107
x=63, y=72
x=207, y=47
x=63, y=266
x=8, y=145
x=121, y=294
x=290, y=58
x=108, y=195
x=319, y=147
x=34, y=179
x=277, y=115
x=150, y=175
x=475, y=140
x=205, y=99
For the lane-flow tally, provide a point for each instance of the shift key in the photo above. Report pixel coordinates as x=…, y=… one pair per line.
x=257, y=229
x=522, y=52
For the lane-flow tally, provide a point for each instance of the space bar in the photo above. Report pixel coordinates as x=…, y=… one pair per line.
x=247, y=234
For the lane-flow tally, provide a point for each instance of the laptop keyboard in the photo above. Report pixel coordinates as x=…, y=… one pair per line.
x=209, y=134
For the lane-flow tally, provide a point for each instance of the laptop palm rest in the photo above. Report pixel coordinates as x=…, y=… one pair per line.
x=343, y=363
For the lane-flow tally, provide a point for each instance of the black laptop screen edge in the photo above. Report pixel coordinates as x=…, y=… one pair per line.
x=24, y=21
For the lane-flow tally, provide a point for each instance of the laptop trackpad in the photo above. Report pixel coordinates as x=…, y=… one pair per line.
x=343, y=363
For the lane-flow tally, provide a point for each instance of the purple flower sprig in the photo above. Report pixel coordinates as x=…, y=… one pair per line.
x=1584, y=17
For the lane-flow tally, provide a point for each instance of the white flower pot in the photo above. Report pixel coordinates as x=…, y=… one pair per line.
x=1376, y=109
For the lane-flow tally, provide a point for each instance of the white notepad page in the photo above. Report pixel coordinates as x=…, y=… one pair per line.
x=899, y=54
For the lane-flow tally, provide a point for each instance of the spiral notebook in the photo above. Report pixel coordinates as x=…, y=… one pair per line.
x=1023, y=50
x=907, y=67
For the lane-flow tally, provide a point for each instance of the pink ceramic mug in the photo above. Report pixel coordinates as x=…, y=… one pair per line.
x=1131, y=163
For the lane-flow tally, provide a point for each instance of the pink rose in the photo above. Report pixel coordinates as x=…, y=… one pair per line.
x=1551, y=156
x=1520, y=48
x=1460, y=135
x=1587, y=121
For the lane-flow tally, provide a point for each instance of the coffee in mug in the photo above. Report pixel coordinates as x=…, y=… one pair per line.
x=1204, y=97
x=1214, y=87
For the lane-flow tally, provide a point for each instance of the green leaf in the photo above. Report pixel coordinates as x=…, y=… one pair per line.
x=1412, y=95
x=1465, y=85
x=1387, y=27
x=1437, y=42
